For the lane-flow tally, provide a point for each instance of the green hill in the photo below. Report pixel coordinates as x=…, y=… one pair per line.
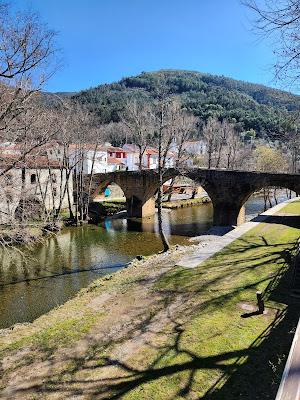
x=261, y=108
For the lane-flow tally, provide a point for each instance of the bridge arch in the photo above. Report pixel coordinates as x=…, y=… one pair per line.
x=139, y=189
x=261, y=187
x=228, y=190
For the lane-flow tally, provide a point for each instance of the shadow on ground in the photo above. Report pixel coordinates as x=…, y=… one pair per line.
x=292, y=221
x=255, y=373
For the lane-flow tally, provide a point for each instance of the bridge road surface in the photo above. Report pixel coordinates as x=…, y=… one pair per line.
x=289, y=388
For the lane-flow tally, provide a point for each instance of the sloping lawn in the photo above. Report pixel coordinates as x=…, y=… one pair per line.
x=156, y=331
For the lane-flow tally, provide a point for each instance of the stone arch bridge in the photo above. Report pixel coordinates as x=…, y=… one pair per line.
x=228, y=190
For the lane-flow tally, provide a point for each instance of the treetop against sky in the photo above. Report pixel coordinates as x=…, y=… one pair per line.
x=103, y=41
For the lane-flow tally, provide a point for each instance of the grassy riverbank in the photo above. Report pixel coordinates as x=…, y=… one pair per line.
x=111, y=207
x=157, y=331
x=185, y=202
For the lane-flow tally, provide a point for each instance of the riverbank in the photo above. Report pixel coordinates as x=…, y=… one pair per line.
x=159, y=331
x=28, y=234
x=114, y=206
x=186, y=202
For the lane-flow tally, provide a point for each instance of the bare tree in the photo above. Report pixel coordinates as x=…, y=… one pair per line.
x=209, y=131
x=139, y=120
x=292, y=143
x=280, y=20
x=81, y=141
x=164, y=139
x=183, y=125
x=234, y=146
x=170, y=120
x=27, y=56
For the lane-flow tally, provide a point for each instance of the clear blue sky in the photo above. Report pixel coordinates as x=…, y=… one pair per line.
x=105, y=40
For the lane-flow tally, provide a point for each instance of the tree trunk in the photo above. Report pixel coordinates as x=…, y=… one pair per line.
x=162, y=235
x=194, y=192
x=265, y=200
x=71, y=214
x=275, y=197
x=161, y=163
x=171, y=189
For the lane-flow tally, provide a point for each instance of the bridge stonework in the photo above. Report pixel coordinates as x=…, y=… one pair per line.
x=228, y=190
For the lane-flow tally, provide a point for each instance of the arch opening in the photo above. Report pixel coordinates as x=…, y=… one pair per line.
x=183, y=188
x=109, y=199
x=262, y=199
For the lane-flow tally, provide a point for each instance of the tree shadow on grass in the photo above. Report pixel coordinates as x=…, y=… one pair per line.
x=255, y=373
x=292, y=221
x=258, y=375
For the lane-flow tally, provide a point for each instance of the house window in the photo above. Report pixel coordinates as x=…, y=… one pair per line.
x=33, y=178
x=54, y=192
x=53, y=176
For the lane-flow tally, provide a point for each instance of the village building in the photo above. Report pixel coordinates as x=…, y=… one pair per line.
x=132, y=156
x=33, y=185
x=88, y=158
x=115, y=152
x=149, y=158
x=92, y=158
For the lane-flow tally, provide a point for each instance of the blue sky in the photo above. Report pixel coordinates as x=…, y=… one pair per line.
x=105, y=40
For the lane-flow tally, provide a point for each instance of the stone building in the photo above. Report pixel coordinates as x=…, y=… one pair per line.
x=36, y=184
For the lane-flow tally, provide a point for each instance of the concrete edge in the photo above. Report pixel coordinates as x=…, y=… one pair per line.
x=206, y=252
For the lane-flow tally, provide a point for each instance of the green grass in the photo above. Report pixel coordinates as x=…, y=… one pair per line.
x=57, y=334
x=185, y=202
x=113, y=202
x=200, y=340
x=216, y=343
x=292, y=208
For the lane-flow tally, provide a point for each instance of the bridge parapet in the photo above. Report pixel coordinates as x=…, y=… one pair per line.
x=228, y=189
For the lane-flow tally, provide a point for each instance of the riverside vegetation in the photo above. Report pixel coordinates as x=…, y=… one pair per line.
x=129, y=333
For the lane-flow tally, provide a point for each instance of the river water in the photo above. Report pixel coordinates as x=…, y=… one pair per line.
x=57, y=269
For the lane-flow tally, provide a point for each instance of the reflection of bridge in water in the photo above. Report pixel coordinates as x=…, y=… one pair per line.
x=228, y=190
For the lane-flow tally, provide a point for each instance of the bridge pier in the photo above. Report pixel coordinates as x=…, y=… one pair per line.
x=225, y=213
x=140, y=208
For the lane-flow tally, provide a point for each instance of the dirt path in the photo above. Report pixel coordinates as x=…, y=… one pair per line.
x=157, y=331
x=130, y=317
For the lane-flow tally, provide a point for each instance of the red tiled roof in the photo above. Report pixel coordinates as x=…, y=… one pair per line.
x=113, y=149
x=151, y=151
x=112, y=160
x=32, y=162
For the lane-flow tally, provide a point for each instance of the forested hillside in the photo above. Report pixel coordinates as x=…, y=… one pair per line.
x=268, y=111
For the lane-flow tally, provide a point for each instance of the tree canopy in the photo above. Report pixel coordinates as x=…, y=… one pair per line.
x=265, y=110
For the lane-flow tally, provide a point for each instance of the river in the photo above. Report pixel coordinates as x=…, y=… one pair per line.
x=55, y=270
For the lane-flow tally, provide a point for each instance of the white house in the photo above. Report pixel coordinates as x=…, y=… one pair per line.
x=132, y=156
x=90, y=157
x=115, y=164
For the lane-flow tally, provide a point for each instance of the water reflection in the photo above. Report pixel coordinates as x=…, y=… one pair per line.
x=63, y=264
x=55, y=270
